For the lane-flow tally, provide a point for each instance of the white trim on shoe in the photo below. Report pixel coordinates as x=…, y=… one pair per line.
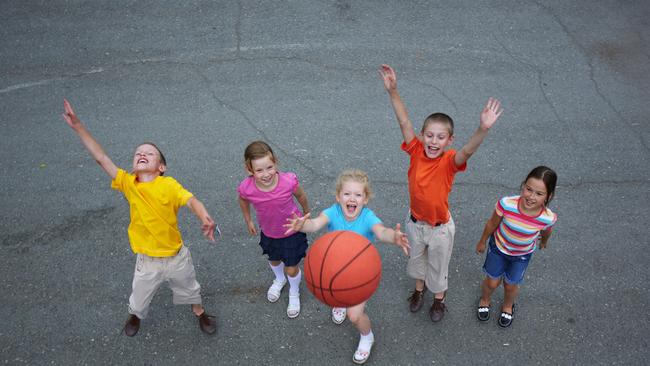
x=338, y=315
x=362, y=354
x=293, y=309
x=273, y=294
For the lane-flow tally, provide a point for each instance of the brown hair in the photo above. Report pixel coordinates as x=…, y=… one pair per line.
x=441, y=118
x=163, y=161
x=546, y=175
x=257, y=150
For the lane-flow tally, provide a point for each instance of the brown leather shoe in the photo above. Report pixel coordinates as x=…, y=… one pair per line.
x=437, y=311
x=415, y=300
x=132, y=325
x=207, y=323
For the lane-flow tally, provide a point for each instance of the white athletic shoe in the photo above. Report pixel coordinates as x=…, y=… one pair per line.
x=338, y=315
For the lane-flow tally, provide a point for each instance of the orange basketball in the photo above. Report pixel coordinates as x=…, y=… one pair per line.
x=342, y=269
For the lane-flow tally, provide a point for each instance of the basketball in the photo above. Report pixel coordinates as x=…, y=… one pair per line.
x=342, y=269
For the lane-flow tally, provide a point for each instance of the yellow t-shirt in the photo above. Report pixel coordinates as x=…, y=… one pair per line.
x=154, y=207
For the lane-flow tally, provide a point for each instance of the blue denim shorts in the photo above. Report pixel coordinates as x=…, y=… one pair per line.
x=511, y=267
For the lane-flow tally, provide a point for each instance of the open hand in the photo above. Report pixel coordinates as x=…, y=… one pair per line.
x=69, y=116
x=491, y=113
x=208, y=227
x=388, y=75
x=296, y=223
x=401, y=239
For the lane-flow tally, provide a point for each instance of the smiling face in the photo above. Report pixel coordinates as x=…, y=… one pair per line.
x=147, y=160
x=436, y=136
x=352, y=196
x=533, y=196
x=264, y=172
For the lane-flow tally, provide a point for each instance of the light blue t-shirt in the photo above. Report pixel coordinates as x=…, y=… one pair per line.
x=362, y=225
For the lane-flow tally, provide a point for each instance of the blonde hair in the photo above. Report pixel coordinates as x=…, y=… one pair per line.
x=257, y=150
x=354, y=175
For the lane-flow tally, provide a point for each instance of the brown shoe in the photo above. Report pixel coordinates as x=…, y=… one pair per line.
x=437, y=310
x=207, y=323
x=132, y=325
x=415, y=300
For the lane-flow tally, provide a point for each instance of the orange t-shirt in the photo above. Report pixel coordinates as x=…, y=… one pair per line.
x=430, y=182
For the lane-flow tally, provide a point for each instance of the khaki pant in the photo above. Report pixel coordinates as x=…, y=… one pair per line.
x=151, y=272
x=430, y=252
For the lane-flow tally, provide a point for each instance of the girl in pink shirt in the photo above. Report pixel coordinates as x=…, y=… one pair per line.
x=272, y=193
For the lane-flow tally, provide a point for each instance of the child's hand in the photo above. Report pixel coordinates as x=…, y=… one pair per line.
x=542, y=245
x=490, y=113
x=69, y=116
x=251, y=228
x=208, y=227
x=480, y=247
x=401, y=239
x=388, y=75
x=296, y=223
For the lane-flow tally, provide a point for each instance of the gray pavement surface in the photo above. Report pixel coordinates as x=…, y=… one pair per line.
x=202, y=79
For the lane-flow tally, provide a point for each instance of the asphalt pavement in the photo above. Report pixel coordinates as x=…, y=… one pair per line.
x=204, y=78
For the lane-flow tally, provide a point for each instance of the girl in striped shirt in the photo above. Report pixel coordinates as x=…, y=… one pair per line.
x=518, y=225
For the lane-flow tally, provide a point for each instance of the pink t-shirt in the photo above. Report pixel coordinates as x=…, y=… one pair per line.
x=274, y=207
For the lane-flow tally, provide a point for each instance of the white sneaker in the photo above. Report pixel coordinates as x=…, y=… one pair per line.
x=362, y=353
x=293, y=310
x=338, y=315
x=273, y=294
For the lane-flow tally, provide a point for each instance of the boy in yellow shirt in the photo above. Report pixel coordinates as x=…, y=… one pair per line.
x=153, y=232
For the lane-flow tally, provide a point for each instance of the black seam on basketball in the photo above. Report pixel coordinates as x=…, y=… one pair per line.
x=330, y=290
x=345, y=266
x=320, y=280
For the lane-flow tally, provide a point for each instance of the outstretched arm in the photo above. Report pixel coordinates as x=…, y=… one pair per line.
x=301, y=197
x=207, y=224
x=489, y=116
x=246, y=211
x=490, y=226
x=393, y=236
x=390, y=83
x=305, y=224
x=93, y=147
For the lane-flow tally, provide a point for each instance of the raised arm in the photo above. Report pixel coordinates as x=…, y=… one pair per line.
x=246, y=212
x=393, y=236
x=301, y=197
x=390, y=83
x=490, y=226
x=93, y=147
x=207, y=224
x=305, y=224
x=489, y=116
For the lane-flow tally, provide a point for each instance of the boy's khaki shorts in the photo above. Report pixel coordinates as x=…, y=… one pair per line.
x=151, y=272
x=430, y=252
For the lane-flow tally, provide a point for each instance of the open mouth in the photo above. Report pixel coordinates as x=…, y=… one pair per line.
x=142, y=161
x=351, y=208
x=433, y=149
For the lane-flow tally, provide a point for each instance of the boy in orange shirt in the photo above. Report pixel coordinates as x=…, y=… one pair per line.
x=154, y=201
x=431, y=174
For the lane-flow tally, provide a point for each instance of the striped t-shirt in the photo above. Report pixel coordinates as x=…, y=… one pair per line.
x=517, y=233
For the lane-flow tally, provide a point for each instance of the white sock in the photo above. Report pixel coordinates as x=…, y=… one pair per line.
x=294, y=283
x=369, y=338
x=278, y=271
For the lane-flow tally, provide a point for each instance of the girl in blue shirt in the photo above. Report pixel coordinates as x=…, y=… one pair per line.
x=349, y=213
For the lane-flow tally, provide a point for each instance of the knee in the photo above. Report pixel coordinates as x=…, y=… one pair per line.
x=510, y=288
x=491, y=283
x=292, y=271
